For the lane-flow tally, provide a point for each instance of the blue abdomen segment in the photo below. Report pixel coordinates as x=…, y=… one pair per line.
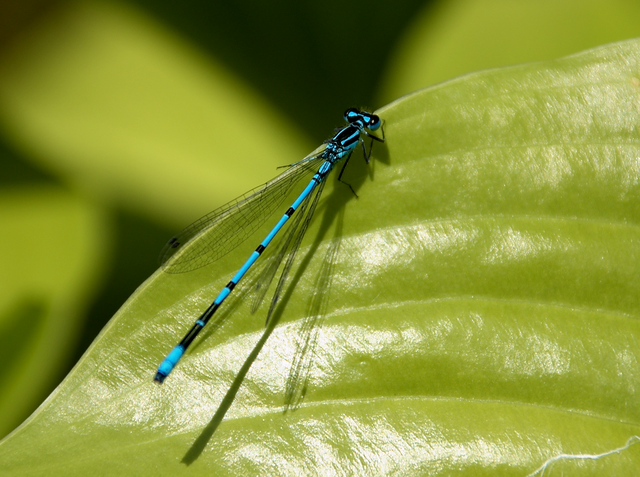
x=169, y=363
x=222, y=295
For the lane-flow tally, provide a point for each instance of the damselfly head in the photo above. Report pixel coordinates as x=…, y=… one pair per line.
x=362, y=119
x=374, y=122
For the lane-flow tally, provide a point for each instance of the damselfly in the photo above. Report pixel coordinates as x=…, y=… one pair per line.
x=219, y=232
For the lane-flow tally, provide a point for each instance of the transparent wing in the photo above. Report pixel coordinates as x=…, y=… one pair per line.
x=268, y=274
x=308, y=334
x=217, y=233
x=306, y=214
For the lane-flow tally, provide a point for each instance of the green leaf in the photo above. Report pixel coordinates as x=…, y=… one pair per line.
x=478, y=309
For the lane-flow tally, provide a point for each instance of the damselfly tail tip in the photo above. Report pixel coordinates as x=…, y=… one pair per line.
x=169, y=363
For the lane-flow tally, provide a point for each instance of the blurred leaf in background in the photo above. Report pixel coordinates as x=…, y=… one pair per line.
x=454, y=37
x=53, y=253
x=153, y=116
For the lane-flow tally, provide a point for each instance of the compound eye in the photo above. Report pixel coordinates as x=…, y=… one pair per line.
x=351, y=114
x=374, y=122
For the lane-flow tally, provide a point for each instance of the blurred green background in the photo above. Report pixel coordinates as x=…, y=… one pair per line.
x=122, y=122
